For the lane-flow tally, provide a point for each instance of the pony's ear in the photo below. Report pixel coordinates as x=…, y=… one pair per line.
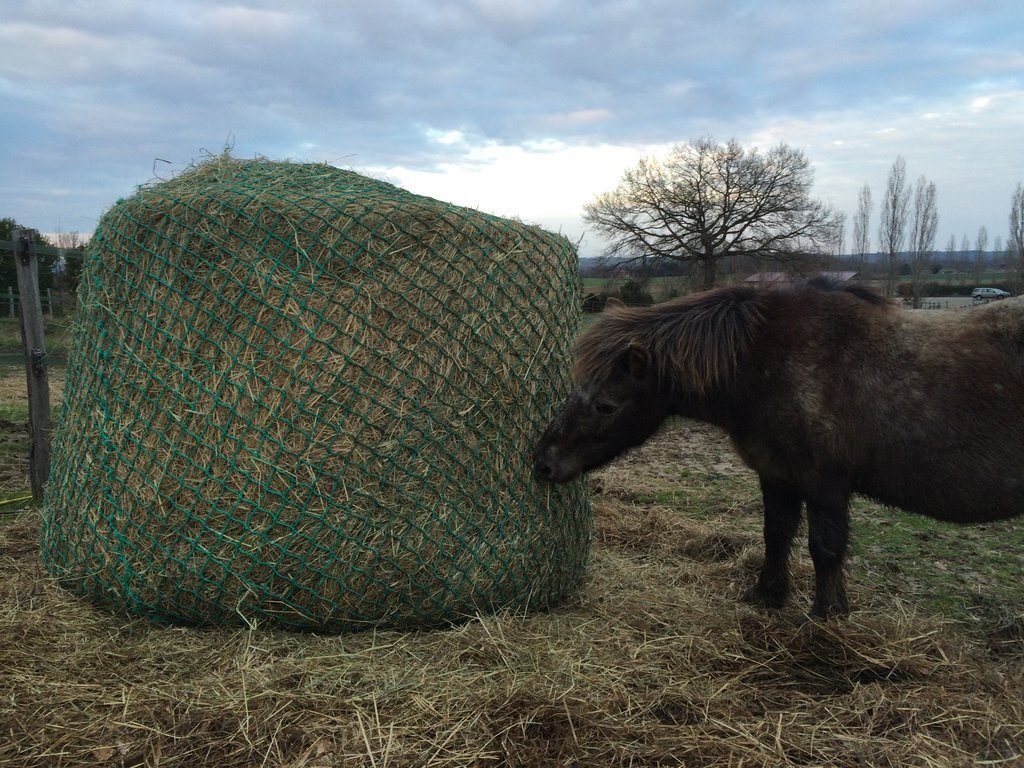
x=637, y=362
x=613, y=302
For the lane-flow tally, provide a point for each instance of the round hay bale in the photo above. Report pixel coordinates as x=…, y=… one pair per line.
x=301, y=395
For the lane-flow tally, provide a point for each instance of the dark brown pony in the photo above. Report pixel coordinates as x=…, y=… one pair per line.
x=825, y=391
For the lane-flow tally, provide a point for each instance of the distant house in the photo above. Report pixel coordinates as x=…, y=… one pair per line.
x=768, y=278
x=842, y=276
x=775, y=278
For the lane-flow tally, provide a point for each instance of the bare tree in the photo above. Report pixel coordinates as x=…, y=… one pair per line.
x=924, y=224
x=1015, y=243
x=980, y=246
x=893, y=227
x=861, y=226
x=839, y=234
x=963, y=261
x=708, y=201
x=981, y=241
x=951, y=260
x=68, y=270
x=71, y=240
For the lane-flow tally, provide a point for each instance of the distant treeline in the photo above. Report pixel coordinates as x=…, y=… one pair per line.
x=599, y=266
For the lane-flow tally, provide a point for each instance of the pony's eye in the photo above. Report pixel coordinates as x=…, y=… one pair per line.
x=606, y=407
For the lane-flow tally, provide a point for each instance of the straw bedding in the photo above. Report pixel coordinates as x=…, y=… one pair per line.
x=653, y=664
x=304, y=396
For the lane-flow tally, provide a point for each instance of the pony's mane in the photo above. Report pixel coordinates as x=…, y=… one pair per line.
x=831, y=285
x=693, y=342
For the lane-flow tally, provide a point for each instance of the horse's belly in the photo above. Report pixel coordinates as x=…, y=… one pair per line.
x=945, y=494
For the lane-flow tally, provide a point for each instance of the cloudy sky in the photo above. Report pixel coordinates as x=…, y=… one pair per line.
x=525, y=108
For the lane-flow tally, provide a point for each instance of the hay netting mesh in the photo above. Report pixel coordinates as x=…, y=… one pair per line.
x=299, y=394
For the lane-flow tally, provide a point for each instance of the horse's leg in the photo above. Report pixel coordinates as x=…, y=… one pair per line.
x=828, y=532
x=781, y=519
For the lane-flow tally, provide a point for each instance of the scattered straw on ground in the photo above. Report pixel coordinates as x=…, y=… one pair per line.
x=653, y=663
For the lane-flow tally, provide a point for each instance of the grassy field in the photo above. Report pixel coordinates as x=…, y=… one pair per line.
x=660, y=288
x=56, y=331
x=15, y=494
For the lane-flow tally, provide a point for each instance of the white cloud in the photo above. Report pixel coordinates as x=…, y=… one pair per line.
x=237, y=21
x=527, y=109
x=546, y=183
x=446, y=138
x=577, y=118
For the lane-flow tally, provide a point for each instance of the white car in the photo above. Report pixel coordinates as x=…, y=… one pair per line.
x=981, y=294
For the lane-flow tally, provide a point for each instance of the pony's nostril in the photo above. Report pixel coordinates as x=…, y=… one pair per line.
x=543, y=470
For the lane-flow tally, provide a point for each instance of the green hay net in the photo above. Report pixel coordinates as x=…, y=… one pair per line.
x=302, y=396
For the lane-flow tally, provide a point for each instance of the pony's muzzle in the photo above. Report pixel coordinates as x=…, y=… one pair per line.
x=548, y=468
x=543, y=469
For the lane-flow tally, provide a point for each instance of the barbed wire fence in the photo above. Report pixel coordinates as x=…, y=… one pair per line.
x=29, y=304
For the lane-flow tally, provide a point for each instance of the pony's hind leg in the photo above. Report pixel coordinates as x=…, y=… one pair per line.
x=828, y=532
x=781, y=520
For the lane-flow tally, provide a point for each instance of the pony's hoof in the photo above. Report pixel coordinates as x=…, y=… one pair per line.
x=754, y=595
x=827, y=612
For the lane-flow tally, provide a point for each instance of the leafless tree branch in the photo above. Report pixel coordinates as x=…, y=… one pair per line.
x=706, y=201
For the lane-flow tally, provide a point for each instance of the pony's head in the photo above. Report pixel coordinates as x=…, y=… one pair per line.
x=635, y=366
x=603, y=416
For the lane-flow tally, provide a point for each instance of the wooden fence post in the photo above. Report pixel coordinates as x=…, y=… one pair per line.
x=35, y=360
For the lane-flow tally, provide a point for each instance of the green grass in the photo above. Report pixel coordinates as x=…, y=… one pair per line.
x=55, y=331
x=12, y=411
x=702, y=493
x=13, y=503
x=14, y=397
x=970, y=573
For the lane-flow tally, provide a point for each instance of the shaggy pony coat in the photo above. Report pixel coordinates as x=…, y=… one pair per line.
x=825, y=391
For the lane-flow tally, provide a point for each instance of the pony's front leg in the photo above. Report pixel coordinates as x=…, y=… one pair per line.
x=828, y=532
x=781, y=520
